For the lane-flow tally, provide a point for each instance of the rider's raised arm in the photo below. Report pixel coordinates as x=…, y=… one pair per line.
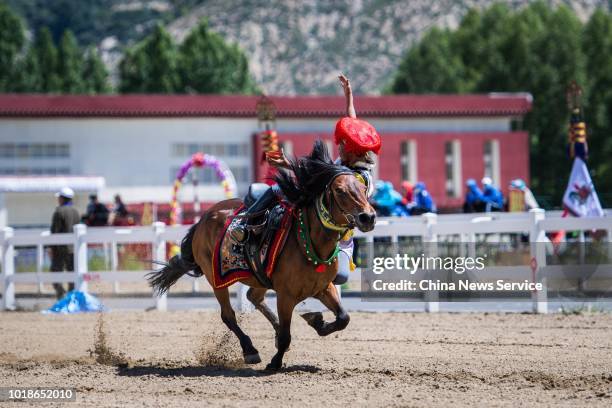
x=348, y=93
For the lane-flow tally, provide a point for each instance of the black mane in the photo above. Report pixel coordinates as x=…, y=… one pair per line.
x=309, y=175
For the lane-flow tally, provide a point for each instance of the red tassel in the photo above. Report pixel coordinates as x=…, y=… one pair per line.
x=320, y=268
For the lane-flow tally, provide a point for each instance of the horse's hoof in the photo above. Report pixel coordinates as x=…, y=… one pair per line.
x=252, y=358
x=314, y=319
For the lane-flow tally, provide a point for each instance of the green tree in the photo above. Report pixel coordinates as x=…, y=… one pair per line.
x=597, y=47
x=12, y=40
x=27, y=78
x=536, y=49
x=95, y=74
x=47, y=61
x=208, y=65
x=70, y=65
x=431, y=66
x=150, y=67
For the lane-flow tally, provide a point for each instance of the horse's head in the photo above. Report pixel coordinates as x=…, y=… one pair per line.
x=348, y=204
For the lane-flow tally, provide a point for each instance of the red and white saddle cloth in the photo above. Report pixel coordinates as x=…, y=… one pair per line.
x=229, y=260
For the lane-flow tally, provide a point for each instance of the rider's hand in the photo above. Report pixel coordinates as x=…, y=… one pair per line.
x=346, y=84
x=277, y=158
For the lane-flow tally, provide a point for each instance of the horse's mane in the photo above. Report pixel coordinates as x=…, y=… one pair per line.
x=309, y=175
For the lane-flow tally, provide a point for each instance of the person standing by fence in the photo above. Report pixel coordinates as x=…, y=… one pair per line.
x=97, y=213
x=64, y=219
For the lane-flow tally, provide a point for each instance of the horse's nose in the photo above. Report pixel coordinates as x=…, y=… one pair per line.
x=367, y=220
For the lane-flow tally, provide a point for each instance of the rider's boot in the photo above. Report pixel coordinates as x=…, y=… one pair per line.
x=240, y=232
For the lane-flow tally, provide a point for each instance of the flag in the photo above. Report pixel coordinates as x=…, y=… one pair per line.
x=580, y=197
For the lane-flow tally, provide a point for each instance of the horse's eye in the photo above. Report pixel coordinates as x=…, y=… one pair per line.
x=342, y=193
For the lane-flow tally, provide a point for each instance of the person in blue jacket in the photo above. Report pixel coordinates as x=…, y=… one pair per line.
x=386, y=200
x=423, y=203
x=474, y=198
x=493, y=196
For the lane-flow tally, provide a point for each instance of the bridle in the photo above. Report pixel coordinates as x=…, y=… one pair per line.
x=324, y=214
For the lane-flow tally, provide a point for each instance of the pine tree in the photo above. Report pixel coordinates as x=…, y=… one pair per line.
x=70, y=65
x=95, y=74
x=150, y=67
x=430, y=66
x=47, y=60
x=208, y=65
x=12, y=40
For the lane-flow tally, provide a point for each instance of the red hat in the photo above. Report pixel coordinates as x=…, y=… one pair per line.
x=359, y=136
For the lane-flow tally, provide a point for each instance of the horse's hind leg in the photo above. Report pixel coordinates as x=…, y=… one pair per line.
x=250, y=353
x=256, y=296
x=329, y=297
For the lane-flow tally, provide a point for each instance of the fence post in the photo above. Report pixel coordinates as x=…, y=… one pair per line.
x=80, y=257
x=40, y=261
x=114, y=263
x=242, y=303
x=432, y=303
x=8, y=269
x=159, y=254
x=537, y=248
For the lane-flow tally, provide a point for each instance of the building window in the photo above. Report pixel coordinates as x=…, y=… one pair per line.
x=215, y=149
x=34, y=150
x=452, y=156
x=408, y=161
x=491, y=161
x=34, y=171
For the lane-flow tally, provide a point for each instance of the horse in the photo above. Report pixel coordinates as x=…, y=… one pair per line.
x=295, y=277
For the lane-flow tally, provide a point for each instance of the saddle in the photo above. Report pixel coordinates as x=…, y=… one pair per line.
x=256, y=256
x=259, y=242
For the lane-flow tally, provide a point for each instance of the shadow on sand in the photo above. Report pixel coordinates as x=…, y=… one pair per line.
x=202, y=371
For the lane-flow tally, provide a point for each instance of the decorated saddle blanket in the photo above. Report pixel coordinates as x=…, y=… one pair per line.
x=233, y=262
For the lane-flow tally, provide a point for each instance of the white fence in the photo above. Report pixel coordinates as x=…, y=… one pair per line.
x=429, y=227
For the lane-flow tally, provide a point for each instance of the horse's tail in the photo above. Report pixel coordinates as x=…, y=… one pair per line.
x=176, y=267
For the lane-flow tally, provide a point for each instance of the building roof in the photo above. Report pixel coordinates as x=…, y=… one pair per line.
x=39, y=105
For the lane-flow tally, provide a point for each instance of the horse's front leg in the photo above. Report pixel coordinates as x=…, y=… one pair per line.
x=285, y=306
x=329, y=297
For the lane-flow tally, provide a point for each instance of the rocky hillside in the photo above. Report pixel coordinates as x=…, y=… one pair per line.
x=295, y=46
x=298, y=47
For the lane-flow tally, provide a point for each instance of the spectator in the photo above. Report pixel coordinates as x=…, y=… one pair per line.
x=423, y=203
x=97, y=213
x=493, y=196
x=63, y=221
x=387, y=201
x=119, y=216
x=474, y=199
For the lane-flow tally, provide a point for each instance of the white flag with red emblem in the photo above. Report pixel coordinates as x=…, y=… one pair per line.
x=580, y=197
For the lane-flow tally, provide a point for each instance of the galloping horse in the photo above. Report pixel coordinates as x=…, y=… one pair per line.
x=312, y=178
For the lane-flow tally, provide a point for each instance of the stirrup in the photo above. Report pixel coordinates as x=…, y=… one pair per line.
x=239, y=234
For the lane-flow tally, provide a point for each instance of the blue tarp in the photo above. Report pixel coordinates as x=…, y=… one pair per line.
x=76, y=302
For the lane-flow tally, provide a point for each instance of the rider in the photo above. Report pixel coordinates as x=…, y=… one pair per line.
x=358, y=144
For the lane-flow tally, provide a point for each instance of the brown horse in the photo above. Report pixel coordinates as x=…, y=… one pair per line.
x=294, y=279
